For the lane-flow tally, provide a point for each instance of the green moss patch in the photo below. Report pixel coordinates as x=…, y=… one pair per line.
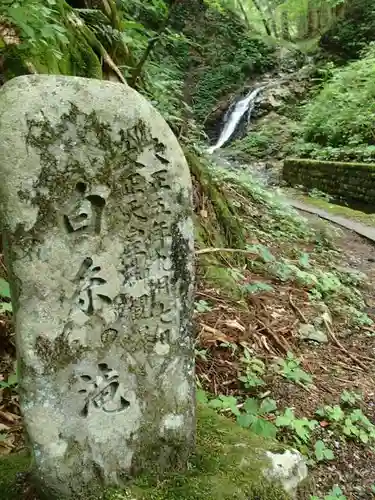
x=356, y=215
x=10, y=467
x=227, y=465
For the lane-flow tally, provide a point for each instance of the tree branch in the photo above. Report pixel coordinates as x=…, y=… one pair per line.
x=136, y=73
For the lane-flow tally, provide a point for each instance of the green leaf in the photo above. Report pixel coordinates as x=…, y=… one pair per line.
x=4, y=288
x=5, y=307
x=224, y=403
x=364, y=437
x=246, y=420
x=263, y=428
x=13, y=379
x=336, y=414
x=267, y=406
x=301, y=429
x=201, y=396
x=286, y=419
x=322, y=452
x=215, y=403
x=251, y=406
x=350, y=398
x=257, y=287
x=336, y=492
x=304, y=260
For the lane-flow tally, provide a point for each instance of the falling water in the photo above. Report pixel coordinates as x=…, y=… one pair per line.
x=234, y=118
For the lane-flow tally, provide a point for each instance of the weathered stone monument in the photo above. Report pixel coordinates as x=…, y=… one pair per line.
x=96, y=219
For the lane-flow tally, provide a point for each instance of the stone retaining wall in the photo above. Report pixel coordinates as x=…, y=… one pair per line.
x=355, y=181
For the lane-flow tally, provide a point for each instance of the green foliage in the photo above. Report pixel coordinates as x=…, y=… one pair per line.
x=48, y=37
x=11, y=383
x=39, y=27
x=225, y=403
x=270, y=138
x=221, y=55
x=299, y=428
x=353, y=423
x=254, y=416
x=332, y=413
x=322, y=452
x=334, y=494
x=357, y=426
x=350, y=34
x=342, y=113
x=165, y=89
x=202, y=306
x=274, y=225
x=290, y=368
x=319, y=195
x=363, y=152
x=261, y=251
x=256, y=287
x=350, y=398
x=254, y=370
x=54, y=38
x=5, y=305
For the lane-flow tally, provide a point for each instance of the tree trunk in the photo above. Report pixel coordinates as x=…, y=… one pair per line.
x=310, y=20
x=301, y=27
x=244, y=13
x=285, y=25
x=264, y=20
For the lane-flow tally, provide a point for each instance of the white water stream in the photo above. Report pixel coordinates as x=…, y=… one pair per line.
x=244, y=105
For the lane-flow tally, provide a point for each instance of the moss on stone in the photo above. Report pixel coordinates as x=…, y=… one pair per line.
x=220, y=277
x=349, y=213
x=230, y=231
x=227, y=465
x=350, y=181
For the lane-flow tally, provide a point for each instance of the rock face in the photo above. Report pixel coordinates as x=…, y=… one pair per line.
x=289, y=468
x=96, y=214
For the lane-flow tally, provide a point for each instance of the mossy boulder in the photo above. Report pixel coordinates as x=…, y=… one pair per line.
x=228, y=464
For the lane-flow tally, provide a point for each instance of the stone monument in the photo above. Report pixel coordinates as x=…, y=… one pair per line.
x=95, y=199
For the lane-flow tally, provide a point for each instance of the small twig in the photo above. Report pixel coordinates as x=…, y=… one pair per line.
x=362, y=357
x=209, y=329
x=303, y=387
x=343, y=349
x=9, y=417
x=228, y=382
x=345, y=381
x=109, y=61
x=231, y=250
x=202, y=294
x=275, y=337
x=326, y=388
x=297, y=309
x=347, y=367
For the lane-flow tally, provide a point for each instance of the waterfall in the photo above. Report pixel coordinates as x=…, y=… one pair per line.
x=234, y=117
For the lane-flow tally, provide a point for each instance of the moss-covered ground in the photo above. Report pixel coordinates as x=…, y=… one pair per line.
x=227, y=465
